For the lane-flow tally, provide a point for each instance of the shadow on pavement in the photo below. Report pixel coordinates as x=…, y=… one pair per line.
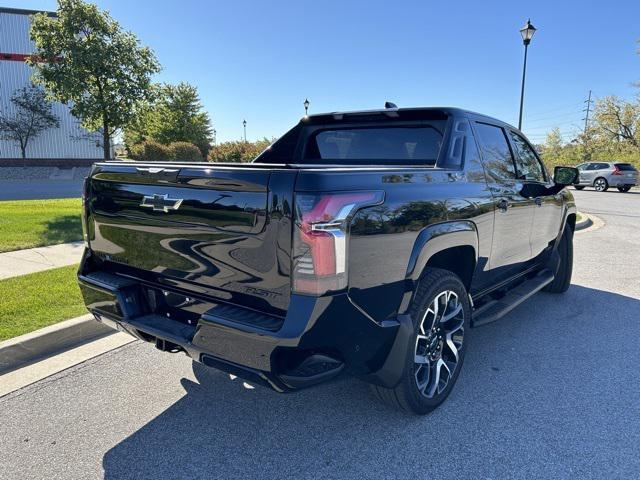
x=62, y=229
x=537, y=397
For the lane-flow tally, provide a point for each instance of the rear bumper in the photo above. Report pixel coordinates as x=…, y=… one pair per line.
x=319, y=338
x=621, y=180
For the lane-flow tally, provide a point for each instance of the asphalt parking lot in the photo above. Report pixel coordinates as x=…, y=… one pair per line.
x=550, y=391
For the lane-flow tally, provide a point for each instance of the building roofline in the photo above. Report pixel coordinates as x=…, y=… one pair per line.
x=24, y=11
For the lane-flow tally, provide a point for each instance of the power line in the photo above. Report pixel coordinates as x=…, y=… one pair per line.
x=575, y=105
x=563, y=116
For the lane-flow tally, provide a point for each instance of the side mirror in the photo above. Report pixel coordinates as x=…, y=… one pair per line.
x=565, y=176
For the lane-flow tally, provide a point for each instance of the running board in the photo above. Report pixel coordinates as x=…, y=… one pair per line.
x=496, y=309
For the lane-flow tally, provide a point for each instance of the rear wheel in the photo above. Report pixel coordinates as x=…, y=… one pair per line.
x=579, y=187
x=601, y=184
x=440, y=313
x=562, y=278
x=624, y=188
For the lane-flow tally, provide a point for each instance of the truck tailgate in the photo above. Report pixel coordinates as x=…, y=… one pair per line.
x=222, y=232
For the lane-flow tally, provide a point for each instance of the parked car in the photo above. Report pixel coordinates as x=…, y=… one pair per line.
x=602, y=175
x=360, y=242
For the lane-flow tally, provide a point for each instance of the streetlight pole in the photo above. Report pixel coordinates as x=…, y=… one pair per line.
x=527, y=34
x=214, y=137
x=306, y=106
x=244, y=124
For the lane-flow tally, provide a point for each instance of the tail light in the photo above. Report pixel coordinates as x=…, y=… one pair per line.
x=616, y=171
x=320, y=239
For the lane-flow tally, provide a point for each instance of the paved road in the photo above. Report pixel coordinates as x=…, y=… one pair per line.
x=551, y=391
x=39, y=189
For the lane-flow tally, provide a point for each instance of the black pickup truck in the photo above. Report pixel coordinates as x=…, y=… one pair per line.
x=360, y=242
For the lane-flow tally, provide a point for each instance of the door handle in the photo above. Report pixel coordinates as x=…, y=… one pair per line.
x=538, y=201
x=503, y=205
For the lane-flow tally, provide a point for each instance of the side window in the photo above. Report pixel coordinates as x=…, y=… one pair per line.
x=495, y=152
x=582, y=166
x=527, y=163
x=592, y=166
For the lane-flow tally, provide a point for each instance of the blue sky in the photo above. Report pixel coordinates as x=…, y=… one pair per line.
x=259, y=60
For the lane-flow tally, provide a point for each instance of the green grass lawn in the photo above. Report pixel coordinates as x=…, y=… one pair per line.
x=30, y=302
x=35, y=223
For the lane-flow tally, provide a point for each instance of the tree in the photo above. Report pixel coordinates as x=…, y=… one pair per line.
x=617, y=121
x=553, y=143
x=238, y=151
x=175, y=115
x=84, y=59
x=33, y=115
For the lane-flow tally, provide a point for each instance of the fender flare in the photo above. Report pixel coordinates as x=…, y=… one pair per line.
x=431, y=240
x=438, y=237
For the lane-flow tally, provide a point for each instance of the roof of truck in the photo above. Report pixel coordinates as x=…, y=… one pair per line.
x=414, y=113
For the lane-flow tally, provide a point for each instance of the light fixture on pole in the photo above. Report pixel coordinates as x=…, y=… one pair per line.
x=306, y=106
x=527, y=34
x=244, y=124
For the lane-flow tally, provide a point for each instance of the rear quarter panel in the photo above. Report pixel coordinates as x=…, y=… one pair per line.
x=383, y=236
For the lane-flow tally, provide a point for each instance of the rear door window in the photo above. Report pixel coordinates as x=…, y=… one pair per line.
x=528, y=166
x=496, y=153
x=413, y=145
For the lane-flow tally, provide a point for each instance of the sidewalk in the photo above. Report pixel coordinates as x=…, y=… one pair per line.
x=22, y=262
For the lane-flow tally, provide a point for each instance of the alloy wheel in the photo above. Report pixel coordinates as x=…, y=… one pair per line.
x=439, y=343
x=600, y=184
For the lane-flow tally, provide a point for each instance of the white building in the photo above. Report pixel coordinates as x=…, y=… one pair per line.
x=69, y=140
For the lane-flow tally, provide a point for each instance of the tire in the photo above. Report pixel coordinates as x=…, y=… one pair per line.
x=435, y=355
x=562, y=279
x=624, y=188
x=601, y=184
x=579, y=187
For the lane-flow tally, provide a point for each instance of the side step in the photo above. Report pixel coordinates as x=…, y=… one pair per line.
x=496, y=309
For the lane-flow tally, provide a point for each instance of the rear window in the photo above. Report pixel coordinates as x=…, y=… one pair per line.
x=625, y=166
x=417, y=145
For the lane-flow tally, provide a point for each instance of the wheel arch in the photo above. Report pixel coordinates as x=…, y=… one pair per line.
x=450, y=246
x=593, y=184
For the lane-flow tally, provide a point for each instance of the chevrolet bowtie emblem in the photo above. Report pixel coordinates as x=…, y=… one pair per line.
x=161, y=203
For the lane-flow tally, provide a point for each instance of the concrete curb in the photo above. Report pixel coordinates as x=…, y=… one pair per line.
x=31, y=347
x=585, y=223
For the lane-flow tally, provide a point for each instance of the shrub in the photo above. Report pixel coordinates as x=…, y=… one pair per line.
x=184, y=152
x=150, y=151
x=238, y=151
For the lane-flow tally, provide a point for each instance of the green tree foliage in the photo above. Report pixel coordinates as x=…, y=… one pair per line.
x=185, y=152
x=617, y=123
x=175, y=114
x=152, y=151
x=239, y=151
x=84, y=59
x=32, y=114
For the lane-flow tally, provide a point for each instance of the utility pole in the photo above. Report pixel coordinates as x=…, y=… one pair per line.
x=586, y=124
